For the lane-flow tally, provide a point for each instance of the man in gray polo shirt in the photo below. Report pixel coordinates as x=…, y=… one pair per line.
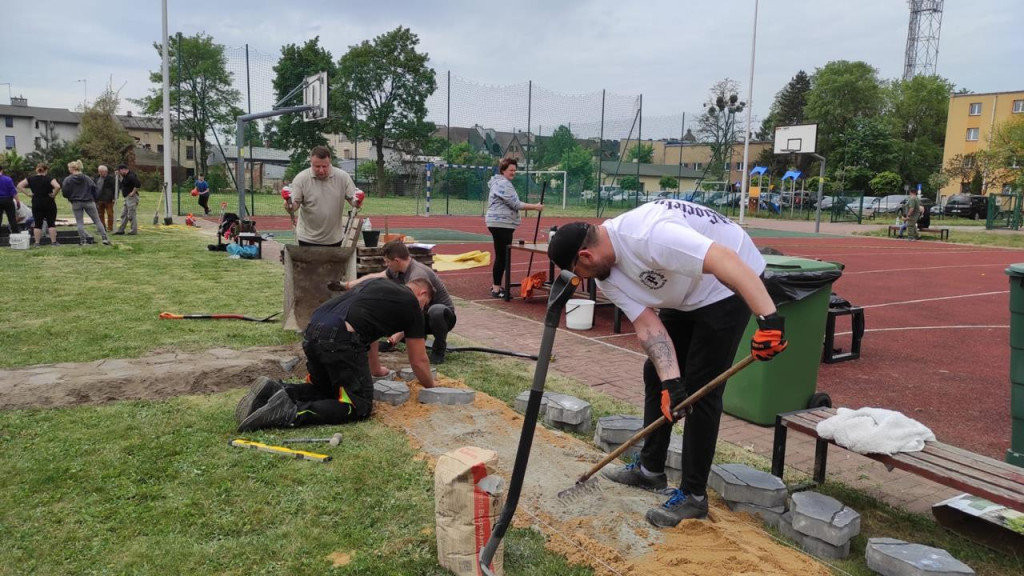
x=318, y=194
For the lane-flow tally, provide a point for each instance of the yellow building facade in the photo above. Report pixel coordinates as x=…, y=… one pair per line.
x=695, y=155
x=972, y=120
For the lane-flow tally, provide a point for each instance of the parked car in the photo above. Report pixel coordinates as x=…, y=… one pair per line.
x=926, y=207
x=890, y=204
x=973, y=206
x=828, y=201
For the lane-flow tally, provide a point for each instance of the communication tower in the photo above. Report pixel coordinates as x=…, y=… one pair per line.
x=923, y=38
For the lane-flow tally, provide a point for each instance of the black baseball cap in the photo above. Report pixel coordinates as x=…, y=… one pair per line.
x=122, y=166
x=568, y=241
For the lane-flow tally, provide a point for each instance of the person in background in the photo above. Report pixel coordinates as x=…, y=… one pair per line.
x=339, y=387
x=318, y=194
x=43, y=190
x=912, y=213
x=105, y=198
x=130, y=185
x=204, y=193
x=502, y=218
x=8, y=195
x=81, y=191
x=688, y=279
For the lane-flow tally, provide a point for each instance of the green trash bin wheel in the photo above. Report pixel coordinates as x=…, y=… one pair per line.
x=819, y=400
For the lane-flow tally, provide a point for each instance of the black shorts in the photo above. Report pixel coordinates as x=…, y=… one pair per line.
x=46, y=214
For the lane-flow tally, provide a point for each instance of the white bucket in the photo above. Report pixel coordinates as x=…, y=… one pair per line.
x=20, y=241
x=579, y=314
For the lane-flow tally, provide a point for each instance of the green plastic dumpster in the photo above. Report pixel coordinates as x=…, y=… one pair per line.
x=788, y=382
x=1015, y=454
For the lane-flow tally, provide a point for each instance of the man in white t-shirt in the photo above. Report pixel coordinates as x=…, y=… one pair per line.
x=688, y=279
x=319, y=194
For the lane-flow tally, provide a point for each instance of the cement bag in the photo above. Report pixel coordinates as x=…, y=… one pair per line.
x=468, y=497
x=307, y=270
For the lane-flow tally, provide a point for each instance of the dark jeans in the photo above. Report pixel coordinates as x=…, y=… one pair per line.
x=335, y=361
x=7, y=207
x=204, y=201
x=440, y=321
x=705, y=341
x=502, y=240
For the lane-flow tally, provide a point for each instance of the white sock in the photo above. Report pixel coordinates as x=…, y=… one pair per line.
x=648, y=473
x=697, y=498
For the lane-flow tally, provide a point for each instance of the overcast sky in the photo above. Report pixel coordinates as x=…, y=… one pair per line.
x=671, y=51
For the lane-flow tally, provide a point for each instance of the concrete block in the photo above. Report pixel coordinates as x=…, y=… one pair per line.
x=287, y=364
x=568, y=413
x=769, y=516
x=891, y=557
x=741, y=483
x=390, y=376
x=824, y=517
x=447, y=396
x=524, y=398
x=405, y=373
x=811, y=545
x=390, y=392
x=675, y=453
x=616, y=429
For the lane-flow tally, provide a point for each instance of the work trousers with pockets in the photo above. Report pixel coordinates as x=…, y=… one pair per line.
x=336, y=360
x=130, y=212
x=440, y=321
x=705, y=341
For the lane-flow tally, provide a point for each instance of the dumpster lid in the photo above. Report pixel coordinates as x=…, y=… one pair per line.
x=783, y=264
x=1015, y=270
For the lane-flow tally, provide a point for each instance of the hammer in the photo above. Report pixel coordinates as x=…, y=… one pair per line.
x=333, y=440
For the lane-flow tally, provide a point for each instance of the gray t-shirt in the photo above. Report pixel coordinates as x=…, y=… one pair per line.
x=321, y=205
x=418, y=269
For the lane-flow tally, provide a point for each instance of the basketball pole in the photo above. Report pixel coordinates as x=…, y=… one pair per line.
x=821, y=188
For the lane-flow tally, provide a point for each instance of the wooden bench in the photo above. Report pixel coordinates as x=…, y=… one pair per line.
x=943, y=233
x=975, y=474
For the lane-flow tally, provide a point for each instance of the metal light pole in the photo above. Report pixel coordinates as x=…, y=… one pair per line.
x=746, y=136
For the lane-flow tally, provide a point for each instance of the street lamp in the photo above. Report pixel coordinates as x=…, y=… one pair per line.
x=727, y=108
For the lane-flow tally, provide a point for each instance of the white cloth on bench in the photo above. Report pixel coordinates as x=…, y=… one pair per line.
x=875, y=431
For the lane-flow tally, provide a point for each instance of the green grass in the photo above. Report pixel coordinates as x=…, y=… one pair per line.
x=981, y=237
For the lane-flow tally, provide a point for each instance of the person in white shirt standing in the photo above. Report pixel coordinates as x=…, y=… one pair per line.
x=318, y=194
x=688, y=279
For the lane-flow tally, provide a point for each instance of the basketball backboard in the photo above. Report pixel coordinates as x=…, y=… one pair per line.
x=801, y=139
x=314, y=94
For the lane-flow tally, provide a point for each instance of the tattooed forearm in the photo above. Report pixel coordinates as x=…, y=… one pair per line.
x=662, y=354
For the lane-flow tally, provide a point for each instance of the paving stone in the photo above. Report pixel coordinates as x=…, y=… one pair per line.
x=891, y=557
x=810, y=544
x=447, y=396
x=675, y=452
x=389, y=376
x=824, y=517
x=287, y=364
x=568, y=413
x=390, y=392
x=407, y=374
x=523, y=399
x=616, y=429
x=741, y=483
x=769, y=516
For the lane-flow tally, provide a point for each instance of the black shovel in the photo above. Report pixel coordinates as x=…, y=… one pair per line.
x=562, y=290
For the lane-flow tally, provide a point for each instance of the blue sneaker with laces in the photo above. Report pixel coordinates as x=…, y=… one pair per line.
x=680, y=506
x=631, y=475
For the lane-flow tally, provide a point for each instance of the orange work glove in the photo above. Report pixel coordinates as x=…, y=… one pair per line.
x=672, y=394
x=770, y=338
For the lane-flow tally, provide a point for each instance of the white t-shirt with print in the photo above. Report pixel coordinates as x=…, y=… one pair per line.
x=659, y=256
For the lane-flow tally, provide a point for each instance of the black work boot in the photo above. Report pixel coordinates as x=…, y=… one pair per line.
x=681, y=506
x=278, y=412
x=261, y=391
x=631, y=475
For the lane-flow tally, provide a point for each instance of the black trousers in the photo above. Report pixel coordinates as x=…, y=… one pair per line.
x=705, y=341
x=7, y=207
x=440, y=321
x=502, y=240
x=336, y=361
x=204, y=201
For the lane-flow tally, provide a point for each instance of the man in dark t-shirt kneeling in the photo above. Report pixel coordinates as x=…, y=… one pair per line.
x=339, y=387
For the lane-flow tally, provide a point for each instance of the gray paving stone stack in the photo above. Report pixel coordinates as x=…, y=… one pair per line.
x=823, y=525
x=613, y=431
x=390, y=392
x=749, y=490
x=523, y=399
x=568, y=413
x=447, y=396
x=891, y=557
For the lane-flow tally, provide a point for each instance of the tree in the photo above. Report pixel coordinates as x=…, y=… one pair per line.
x=642, y=153
x=382, y=90
x=103, y=140
x=788, y=107
x=56, y=153
x=841, y=93
x=290, y=131
x=630, y=183
x=551, y=149
x=916, y=110
x=867, y=148
x=717, y=126
x=886, y=183
x=960, y=168
x=1007, y=148
x=202, y=90
x=668, y=183
x=578, y=163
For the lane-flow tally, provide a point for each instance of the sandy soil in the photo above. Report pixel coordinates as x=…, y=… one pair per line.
x=605, y=530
